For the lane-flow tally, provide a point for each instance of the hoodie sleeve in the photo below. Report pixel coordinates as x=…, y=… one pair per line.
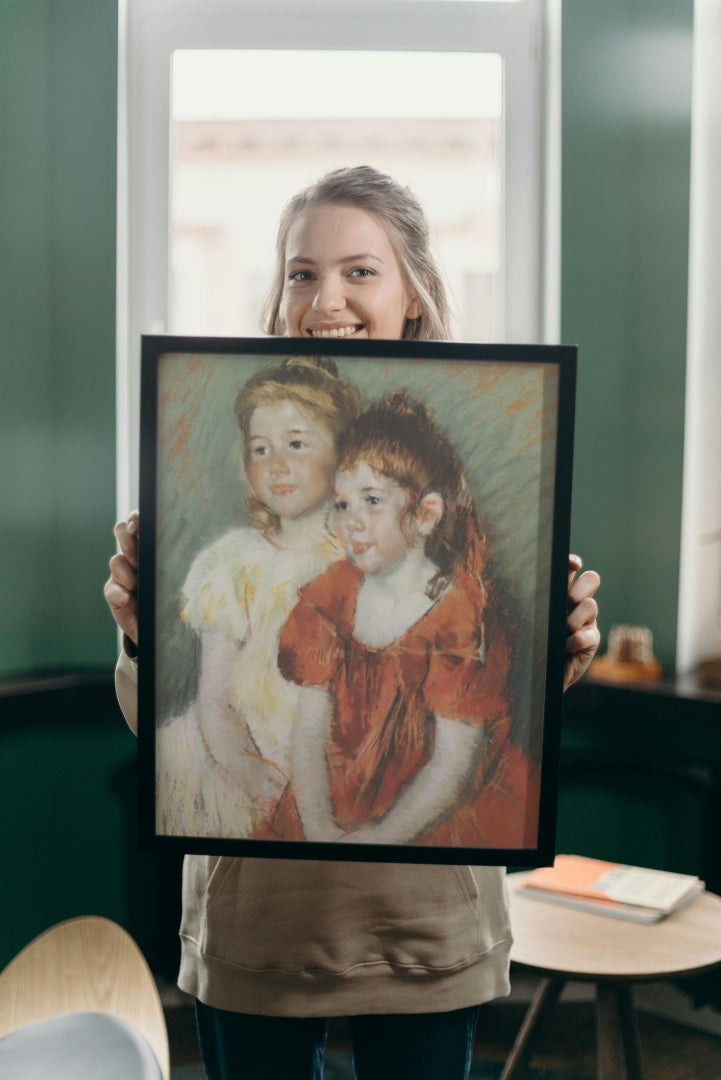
x=126, y=688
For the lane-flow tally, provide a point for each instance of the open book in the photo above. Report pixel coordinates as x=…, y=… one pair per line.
x=608, y=888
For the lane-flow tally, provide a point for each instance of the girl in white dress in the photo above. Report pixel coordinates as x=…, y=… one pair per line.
x=224, y=762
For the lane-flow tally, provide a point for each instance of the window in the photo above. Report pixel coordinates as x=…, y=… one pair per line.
x=212, y=122
x=236, y=159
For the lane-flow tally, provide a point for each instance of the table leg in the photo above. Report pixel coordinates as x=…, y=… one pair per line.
x=617, y=1033
x=545, y=997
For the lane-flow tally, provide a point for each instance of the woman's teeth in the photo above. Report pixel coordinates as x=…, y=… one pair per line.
x=337, y=331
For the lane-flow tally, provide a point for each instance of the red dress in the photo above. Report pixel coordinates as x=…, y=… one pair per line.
x=453, y=663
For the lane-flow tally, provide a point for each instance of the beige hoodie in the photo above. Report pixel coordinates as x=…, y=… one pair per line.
x=286, y=937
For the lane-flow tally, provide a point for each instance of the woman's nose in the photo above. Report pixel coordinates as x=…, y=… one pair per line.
x=329, y=297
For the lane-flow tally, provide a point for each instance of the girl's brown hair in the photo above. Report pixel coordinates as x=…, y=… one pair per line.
x=399, y=438
x=402, y=216
x=314, y=385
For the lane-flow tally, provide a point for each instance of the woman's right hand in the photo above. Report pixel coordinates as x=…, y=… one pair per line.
x=121, y=587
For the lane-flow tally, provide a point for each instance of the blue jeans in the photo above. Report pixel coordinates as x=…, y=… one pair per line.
x=414, y=1046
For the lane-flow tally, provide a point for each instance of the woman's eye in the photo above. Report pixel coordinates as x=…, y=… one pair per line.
x=300, y=276
x=362, y=272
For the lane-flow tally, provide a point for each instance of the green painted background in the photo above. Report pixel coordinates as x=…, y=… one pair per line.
x=626, y=134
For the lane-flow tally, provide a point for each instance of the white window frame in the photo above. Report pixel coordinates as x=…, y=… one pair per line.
x=699, y=596
x=526, y=34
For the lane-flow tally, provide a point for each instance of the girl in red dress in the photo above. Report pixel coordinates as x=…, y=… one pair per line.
x=403, y=727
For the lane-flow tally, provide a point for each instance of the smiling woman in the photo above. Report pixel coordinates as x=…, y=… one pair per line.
x=353, y=259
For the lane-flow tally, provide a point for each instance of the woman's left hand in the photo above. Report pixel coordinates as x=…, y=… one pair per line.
x=582, y=633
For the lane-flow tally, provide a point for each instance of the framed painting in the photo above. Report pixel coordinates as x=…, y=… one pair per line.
x=352, y=597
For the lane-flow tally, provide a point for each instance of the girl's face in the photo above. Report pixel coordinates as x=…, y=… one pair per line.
x=342, y=277
x=290, y=459
x=370, y=513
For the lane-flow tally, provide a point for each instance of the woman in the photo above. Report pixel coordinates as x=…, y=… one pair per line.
x=271, y=948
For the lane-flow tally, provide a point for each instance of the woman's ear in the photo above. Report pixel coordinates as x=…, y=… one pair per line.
x=429, y=513
x=415, y=309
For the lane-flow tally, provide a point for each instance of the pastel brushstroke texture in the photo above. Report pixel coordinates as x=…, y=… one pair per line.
x=500, y=419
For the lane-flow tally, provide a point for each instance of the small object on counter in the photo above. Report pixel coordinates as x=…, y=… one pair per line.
x=709, y=671
x=629, y=656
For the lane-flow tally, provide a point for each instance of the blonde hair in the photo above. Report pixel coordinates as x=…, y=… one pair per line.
x=401, y=214
x=313, y=384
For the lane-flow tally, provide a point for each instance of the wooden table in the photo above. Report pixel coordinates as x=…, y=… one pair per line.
x=563, y=944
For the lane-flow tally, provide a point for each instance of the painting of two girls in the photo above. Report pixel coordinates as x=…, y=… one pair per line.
x=352, y=561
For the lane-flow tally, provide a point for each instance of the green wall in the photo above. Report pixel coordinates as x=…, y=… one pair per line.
x=58, y=73
x=68, y=801
x=66, y=758
x=625, y=200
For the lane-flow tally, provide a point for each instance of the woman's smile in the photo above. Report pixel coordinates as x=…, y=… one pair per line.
x=334, y=331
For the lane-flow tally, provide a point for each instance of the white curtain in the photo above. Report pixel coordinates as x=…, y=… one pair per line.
x=700, y=583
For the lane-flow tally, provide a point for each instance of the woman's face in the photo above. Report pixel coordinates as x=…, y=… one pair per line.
x=290, y=459
x=342, y=277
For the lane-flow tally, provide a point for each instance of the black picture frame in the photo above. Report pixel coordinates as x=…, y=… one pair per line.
x=508, y=412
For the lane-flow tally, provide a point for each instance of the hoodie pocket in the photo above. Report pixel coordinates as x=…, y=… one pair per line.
x=298, y=916
x=202, y=876
x=468, y=884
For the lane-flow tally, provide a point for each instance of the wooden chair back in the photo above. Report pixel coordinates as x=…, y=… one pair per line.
x=87, y=964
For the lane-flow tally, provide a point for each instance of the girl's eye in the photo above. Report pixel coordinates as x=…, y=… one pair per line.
x=373, y=500
x=297, y=444
x=259, y=451
x=341, y=504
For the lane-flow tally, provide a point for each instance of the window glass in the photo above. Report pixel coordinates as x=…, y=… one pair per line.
x=251, y=127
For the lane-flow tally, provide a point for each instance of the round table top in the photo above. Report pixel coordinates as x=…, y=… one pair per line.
x=559, y=940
